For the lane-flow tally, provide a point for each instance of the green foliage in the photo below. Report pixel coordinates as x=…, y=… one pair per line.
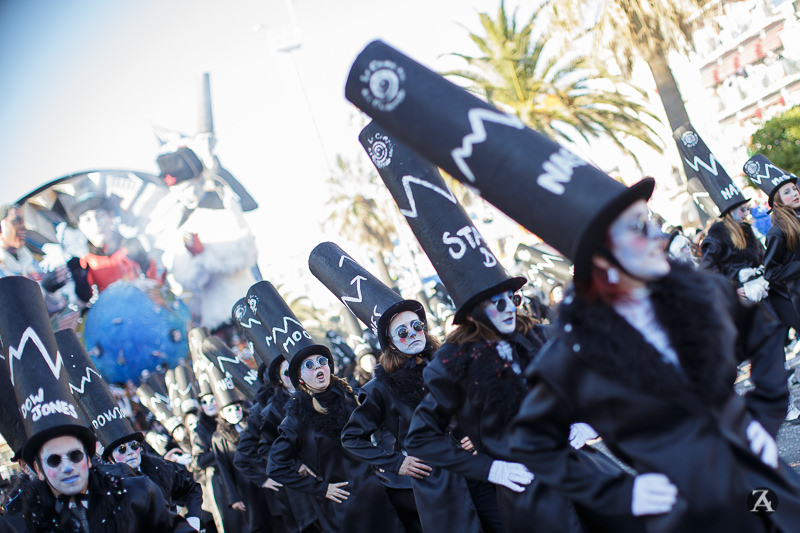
x=779, y=140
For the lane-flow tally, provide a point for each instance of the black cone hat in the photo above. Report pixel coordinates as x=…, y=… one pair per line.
x=185, y=386
x=231, y=366
x=199, y=361
x=458, y=252
x=286, y=332
x=767, y=176
x=369, y=299
x=36, y=369
x=721, y=189
x=254, y=331
x=550, y=191
x=172, y=392
x=108, y=421
x=157, y=402
x=11, y=425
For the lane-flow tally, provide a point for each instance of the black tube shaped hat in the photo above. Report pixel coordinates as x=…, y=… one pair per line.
x=458, y=252
x=185, y=386
x=199, y=361
x=91, y=391
x=11, y=426
x=721, y=188
x=368, y=298
x=245, y=315
x=157, y=402
x=767, y=176
x=284, y=329
x=36, y=369
x=227, y=366
x=547, y=189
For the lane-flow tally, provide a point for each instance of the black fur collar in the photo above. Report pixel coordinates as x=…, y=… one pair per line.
x=690, y=307
x=406, y=382
x=335, y=399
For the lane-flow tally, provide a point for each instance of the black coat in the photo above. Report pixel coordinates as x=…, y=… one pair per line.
x=388, y=401
x=176, y=483
x=483, y=390
x=311, y=438
x=782, y=270
x=131, y=504
x=686, y=423
x=720, y=255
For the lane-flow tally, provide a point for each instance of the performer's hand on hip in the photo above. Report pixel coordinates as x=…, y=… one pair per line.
x=414, y=467
x=336, y=493
x=652, y=494
x=513, y=476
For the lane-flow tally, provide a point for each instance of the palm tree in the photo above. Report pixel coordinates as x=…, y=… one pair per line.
x=359, y=203
x=526, y=71
x=649, y=29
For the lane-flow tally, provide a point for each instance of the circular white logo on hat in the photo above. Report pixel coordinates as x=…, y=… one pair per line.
x=751, y=168
x=252, y=301
x=689, y=139
x=239, y=312
x=380, y=150
x=384, y=81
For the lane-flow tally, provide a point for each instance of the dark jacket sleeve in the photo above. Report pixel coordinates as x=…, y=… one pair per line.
x=247, y=458
x=284, y=461
x=366, y=420
x=202, y=454
x=712, y=250
x=427, y=436
x=539, y=438
x=187, y=492
x=150, y=508
x=776, y=268
x=225, y=471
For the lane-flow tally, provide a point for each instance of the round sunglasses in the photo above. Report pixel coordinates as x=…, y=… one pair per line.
x=309, y=364
x=74, y=457
x=122, y=449
x=501, y=303
x=403, y=332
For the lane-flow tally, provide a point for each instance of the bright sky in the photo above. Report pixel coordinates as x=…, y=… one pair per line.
x=83, y=83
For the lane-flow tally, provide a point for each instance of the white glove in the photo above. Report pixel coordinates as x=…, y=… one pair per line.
x=652, y=494
x=513, y=476
x=579, y=433
x=194, y=522
x=747, y=273
x=756, y=289
x=762, y=444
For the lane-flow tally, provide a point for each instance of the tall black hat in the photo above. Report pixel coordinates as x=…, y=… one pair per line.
x=108, y=421
x=273, y=371
x=245, y=315
x=550, y=191
x=199, y=361
x=36, y=369
x=228, y=365
x=182, y=389
x=370, y=300
x=11, y=426
x=721, y=189
x=157, y=402
x=284, y=329
x=767, y=176
x=458, y=252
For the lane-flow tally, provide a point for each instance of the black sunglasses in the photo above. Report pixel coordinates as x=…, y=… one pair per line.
x=402, y=332
x=207, y=400
x=123, y=448
x=321, y=361
x=503, y=302
x=74, y=457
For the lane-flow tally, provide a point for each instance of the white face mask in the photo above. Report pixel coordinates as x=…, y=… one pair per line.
x=232, y=413
x=501, y=311
x=65, y=465
x=209, y=405
x=681, y=250
x=638, y=245
x=408, y=333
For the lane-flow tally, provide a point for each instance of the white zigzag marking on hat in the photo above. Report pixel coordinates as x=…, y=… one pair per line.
x=357, y=280
x=547, y=261
x=408, y=180
x=285, y=329
x=84, y=380
x=250, y=322
x=477, y=116
x=16, y=353
x=697, y=162
x=184, y=392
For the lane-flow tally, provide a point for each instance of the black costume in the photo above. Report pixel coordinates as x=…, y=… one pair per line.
x=131, y=504
x=176, y=483
x=685, y=422
x=720, y=255
x=311, y=438
x=203, y=467
x=782, y=270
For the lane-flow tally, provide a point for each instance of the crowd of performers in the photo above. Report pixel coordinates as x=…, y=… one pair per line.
x=493, y=428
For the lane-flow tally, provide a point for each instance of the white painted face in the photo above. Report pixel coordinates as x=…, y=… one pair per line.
x=789, y=195
x=638, y=245
x=407, y=332
x=502, y=311
x=209, y=405
x=283, y=372
x=64, y=465
x=232, y=413
x=129, y=453
x=680, y=249
x=315, y=373
x=741, y=213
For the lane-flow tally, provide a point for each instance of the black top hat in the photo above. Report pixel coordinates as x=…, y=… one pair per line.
x=36, y=369
x=273, y=371
x=550, y=191
x=363, y=294
x=108, y=421
x=221, y=385
x=245, y=315
x=767, y=176
x=227, y=363
x=199, y=361
x=723, y=192
x=284, y=329
x=11, y=426
x=458, y=252
x=157, y=402
x=185, y=388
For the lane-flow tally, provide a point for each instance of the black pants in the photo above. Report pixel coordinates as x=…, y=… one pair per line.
x=484, y=496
